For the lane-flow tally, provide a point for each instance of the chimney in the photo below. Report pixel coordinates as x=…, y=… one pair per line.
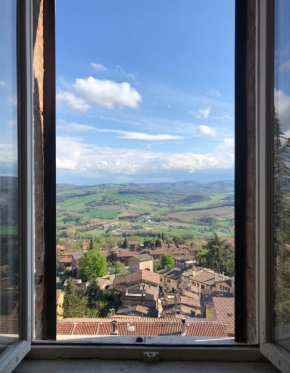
x=112, y=313
x=183, y=327
x=114, y=330
x=193, y=272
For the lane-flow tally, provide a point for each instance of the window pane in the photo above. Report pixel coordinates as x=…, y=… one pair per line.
x=145, y=169
x=9, y=250
x=282, y=174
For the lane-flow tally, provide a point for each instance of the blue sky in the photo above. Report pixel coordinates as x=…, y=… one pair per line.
x=145, y=90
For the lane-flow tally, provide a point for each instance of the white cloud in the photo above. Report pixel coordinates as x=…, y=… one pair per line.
x=74, y=127
x=141, y=135
x=205, y=130
x=213, y=92
x=87, y=159
x=99, y=67
x=223, y=117
x=285, y=65
x=84, y=93
x=129, y=135
x=202, y=113
x=2, y=84
x=8, y=154
x=282, y=106
x=72, y=102
x=128, y=75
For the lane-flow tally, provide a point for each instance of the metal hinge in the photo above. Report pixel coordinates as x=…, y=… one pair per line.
x=151, y=356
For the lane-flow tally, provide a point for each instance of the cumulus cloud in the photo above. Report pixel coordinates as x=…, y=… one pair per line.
x=205, y=130
x=99, y=67
x=282, y=106
x=73, y=102
x=213, y=92
x=84, y=93
x=202, y=113
x=74, y=154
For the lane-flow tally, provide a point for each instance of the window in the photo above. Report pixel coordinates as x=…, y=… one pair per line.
x=15, y=183
x=271, y=191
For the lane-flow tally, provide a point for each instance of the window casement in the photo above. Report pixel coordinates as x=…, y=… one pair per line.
x=253, y=211
x=16, y=187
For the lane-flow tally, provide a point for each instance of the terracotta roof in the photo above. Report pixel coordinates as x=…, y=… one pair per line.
x=225, y=312
x=124, y=253
x=189, y=294
x=78, y=255
x=142, y=327
x=143, y=257
x=191, y=302
x=64, y=258
x=138, y=276
x=138, y=310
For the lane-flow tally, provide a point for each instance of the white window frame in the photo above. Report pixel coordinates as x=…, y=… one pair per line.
x=276, y=354
x=12, y=356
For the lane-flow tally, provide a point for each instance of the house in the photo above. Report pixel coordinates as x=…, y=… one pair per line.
x=224, y=312
x=139, y=277
x=135, y=246
x=122, y=255
x=59, y=249
x=139, y=262
x=68, y=261
x=59, y=304
x=169, y=279
x=140, y=300
x=181, y=306
x=138, y=326
x=169, y=249
x=203, y=280
x=77, y=256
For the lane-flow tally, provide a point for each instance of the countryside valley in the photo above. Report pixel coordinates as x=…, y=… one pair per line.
x=145, y=253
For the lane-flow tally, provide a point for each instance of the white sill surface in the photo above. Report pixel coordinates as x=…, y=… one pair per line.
x=158, y=340
x=99, y=366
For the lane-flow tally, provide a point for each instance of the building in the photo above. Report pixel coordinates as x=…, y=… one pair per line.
x=121, y=255
x=138, y=326
x=59, y=304
x=139, y=262
x=67, y=261
x=224, y=312
x=179, y=305
x=169, y=279
x=203, y=280
x=77, y=256
x=135, y=278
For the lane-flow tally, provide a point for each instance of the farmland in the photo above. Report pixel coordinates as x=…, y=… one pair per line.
x=140, y=211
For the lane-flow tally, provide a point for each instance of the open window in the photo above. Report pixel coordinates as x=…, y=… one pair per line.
x=16, y=205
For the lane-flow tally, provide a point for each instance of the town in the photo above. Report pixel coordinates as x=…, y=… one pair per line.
x=167, y=288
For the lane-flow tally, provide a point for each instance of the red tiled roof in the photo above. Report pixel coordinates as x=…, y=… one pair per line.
x=225, y=312
x=142, y=327
x=64, y=258
x=138, y=276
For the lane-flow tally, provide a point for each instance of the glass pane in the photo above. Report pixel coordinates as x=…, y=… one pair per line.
x=282, y=174
x=9, y=250
x=145, y=169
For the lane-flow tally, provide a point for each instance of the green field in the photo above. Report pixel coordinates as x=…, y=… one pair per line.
x=140, y=211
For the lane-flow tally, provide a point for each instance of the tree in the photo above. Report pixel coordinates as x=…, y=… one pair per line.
x=159, y=236
x=126, y=244
x=162, y=236
x=92, y=265
x=158, y=243
x=91, y=245
x=117, y=268
x=219, y=256
x=167, y=261
x=201, y=257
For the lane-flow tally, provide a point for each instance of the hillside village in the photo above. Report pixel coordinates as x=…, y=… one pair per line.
x=137, y=290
